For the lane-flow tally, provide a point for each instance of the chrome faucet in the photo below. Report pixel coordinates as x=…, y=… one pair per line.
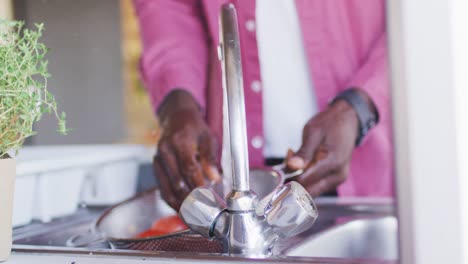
x=247, y=226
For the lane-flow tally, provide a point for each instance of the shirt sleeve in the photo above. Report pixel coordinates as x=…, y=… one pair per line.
x=175, y=48
x=373, y=78
x=372, y=162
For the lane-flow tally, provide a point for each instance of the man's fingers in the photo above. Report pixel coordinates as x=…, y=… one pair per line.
x=165, y=184
x=211, y=172
x=311, y=139
x=323, y=164
x=208, y=150
x=170, y=165
x=188, y=161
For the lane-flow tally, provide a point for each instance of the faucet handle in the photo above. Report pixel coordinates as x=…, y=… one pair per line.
x=290, y=210
x=202, y=211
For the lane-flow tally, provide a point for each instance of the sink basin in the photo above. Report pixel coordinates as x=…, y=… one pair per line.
x=371, y=238
x=347, y=231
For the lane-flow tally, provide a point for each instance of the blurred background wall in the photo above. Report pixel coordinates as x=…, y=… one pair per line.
x=93, y=58
x=5, y=9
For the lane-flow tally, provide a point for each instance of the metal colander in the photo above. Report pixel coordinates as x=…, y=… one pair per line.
x=185, y=241
x=120, y=224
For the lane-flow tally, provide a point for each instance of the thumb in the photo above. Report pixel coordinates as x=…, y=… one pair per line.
x=208, y=152
x=305, y=154
x=294, y=162
x=211, y=171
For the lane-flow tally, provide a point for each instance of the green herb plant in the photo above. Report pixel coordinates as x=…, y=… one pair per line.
x=24, y=97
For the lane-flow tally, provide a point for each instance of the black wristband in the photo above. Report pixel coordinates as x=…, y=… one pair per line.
x=367, y=117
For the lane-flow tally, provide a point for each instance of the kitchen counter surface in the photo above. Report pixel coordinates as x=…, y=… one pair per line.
x=33, y=254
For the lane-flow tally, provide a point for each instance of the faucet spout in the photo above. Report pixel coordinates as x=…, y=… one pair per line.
x=233, y=96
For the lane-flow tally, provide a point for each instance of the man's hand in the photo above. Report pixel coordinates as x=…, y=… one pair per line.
x=328, y=141
x=186, y=156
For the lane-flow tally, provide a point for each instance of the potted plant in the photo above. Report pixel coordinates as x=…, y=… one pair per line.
x=24, y=98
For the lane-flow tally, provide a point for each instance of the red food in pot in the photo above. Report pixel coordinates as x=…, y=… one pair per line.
x=163, y=226
x=149, y=233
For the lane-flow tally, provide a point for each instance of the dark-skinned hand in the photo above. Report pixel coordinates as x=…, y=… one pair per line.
x=186, y=155
x=328, y=142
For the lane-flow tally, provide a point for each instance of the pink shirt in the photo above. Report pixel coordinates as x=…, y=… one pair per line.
x=346, y=46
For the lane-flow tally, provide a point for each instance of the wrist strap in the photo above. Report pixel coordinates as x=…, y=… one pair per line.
x=366, y=116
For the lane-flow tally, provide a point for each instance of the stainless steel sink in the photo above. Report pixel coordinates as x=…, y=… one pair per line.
x=347, y=231
x=371, y=238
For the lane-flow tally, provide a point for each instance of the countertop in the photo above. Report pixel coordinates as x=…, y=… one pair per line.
x=30, y=255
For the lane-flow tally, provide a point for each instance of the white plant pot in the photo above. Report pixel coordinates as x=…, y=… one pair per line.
x=7, y=188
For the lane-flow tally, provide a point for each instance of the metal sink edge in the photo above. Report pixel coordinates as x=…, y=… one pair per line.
x=174, y=257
